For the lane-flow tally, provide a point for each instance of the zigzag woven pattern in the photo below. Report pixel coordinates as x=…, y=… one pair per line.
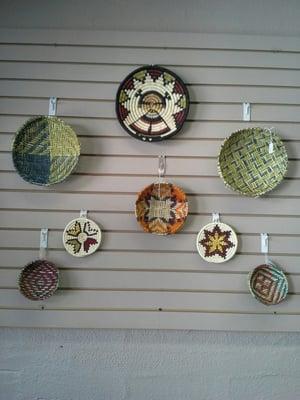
x=45, y=150
x=268, y=284
x=253, y=161
x=152, y=103
x=38, y=280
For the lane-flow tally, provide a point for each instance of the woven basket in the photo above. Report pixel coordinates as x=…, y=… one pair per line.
x=45, y=151
x=38, y=280
x=81, y=237
x=161, y=208
x=268, y=284
x=248, y=165
x=152, y=103
x=217, y=242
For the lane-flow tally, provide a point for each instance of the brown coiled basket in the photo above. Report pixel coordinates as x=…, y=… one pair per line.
x=38, y=280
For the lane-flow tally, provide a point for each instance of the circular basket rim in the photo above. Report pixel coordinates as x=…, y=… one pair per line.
x=244, y=193
x=282, y=273
x=142, y=137
x=164, y=183
x=32, y=264
x=19, y=131
x=234, y=235
x=94, y=249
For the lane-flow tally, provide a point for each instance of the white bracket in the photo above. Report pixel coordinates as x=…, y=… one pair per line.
x=161, y=166
x=246, y=112
x=52, y=106
x=271, y=147
x=264, y=243
x=43, y=242
x=83, y=213
x=271, y=144
x=215, y=217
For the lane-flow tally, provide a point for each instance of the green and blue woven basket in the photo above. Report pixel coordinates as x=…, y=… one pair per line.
x=45, y=150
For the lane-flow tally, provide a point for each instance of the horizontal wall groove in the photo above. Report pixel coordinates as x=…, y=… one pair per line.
x=131, y=212
x=134, y=193
x=168, y=176
x=29, y=115
x=149, y=310
x=112, y=101
x=272, y=50
x=150, y=251
x=139, y=231
x=137, y=65
x=209, y=85
x=152, y=270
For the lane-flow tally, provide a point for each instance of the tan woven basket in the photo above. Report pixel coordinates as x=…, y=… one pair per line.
x=161, y=208
x=152, y=103
x=253, y=161
x=217, y=242
x=81, y=237
x=268, y=284
x=38, y=280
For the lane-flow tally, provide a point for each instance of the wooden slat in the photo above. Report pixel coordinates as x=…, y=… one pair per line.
x=172, y=148
x=138, y=241
x=201, y=173
x=109, y=55
x=185, y=301
x=123, y=202
x=153, y=261
x=153, y=39
x=103, y=109
x=116, y=73
x=126, y=221
x=79, y=183
x=137, y=280
x=107, y=91
x=149, y=320
x=191, y=129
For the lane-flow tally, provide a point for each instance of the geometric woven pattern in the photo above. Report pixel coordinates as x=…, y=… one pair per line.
x=81, y=237
x=268, y=284
x=161, y=208
x=45, y=150
x=216, y=242
x=253, y=161
x=152, y=103
x=38, y=280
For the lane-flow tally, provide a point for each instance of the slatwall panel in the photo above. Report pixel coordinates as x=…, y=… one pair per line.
x=138, y=280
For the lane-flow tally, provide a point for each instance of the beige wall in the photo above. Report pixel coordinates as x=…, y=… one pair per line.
x=262, y=17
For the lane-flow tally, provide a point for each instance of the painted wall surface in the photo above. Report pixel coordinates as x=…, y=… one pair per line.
x=147, y=365
x=265, y=17
x=40, y=364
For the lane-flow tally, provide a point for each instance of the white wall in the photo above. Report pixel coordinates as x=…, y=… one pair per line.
x=131, y=365
x=147, y=365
